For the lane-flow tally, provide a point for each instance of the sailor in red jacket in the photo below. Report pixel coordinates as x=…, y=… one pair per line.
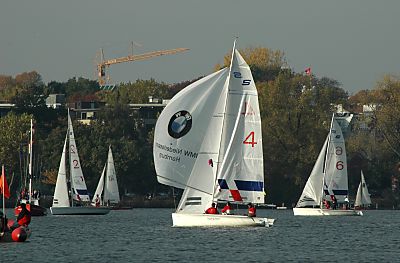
x=212, y=209
x=24, y=217
x=227, y=210
x=251, y=210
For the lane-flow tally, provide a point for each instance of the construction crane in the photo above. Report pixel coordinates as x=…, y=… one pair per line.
x=104, y=64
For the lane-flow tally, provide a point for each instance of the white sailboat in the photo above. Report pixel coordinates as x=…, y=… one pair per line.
x=208, y=142
x=363, y=198
x=328, y=178
x=76, y=202
x=107, y=188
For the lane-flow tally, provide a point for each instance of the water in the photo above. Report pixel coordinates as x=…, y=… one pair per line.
x=146, y=235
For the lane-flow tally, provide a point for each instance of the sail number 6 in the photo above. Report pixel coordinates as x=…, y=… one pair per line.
x=250, y=139
x=339, y=165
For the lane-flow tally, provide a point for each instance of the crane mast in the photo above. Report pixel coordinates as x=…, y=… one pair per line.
x=104, y=64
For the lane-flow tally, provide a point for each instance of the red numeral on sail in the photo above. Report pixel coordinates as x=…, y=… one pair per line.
x=339, y=150
x=339, y=165
x=250, y=139
x=248, y=110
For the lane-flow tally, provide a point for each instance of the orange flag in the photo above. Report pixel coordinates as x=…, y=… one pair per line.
x=4, y=185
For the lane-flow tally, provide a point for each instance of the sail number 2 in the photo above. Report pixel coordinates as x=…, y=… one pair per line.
x=238, y=75
x=250, y=139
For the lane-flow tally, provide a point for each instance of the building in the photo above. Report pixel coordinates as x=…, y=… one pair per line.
x=55, y=101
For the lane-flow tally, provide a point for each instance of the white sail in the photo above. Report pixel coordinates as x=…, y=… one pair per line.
x=312, y=192
x=99, y=188
x=78, y=184
x=363, y=197
x=111, y=193
x=61, y=198
x=241, y=174
x=336, y=181
x=187, y=134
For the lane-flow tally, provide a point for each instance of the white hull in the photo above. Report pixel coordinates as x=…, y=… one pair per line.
x=80, y=210
x=300, y=211
x=196, y=220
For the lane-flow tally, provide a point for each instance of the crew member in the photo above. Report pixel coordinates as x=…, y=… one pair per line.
x=227, y=210
x=212, y=209
x=251, y=212
x=24, y=217
x=97, y=201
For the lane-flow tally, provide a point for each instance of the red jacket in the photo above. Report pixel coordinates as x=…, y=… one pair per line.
x=252, y=211
x=212, y=210
x=227, y=209
x=24, y=217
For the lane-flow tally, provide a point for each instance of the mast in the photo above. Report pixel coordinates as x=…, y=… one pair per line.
x=3, y=190
x=30, y=163
x=69, y=166
x=223, y=118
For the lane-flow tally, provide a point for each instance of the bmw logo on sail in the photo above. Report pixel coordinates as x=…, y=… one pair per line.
x=180, y=124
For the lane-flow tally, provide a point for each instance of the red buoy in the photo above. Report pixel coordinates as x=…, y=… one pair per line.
x=19, y=234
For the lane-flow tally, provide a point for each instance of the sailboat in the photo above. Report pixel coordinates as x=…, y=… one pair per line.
x=328, y=179
x=208, y=142
x=76, y=201
x=32, y=199
x=363, y=198
x=107, y=189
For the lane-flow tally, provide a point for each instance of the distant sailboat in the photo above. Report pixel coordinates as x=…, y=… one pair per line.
x=107, y=188
x=208, y=142
x=31, y=199
x=327, y=179
x=75, y=203
x=363, y=198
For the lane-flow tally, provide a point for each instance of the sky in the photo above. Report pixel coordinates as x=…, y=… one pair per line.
x=354, y=42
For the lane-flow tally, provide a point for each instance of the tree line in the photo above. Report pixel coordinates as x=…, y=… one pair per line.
x=295, y=110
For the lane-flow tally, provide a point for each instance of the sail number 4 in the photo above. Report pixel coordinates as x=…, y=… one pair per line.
x=250, y=139
x=238, y=75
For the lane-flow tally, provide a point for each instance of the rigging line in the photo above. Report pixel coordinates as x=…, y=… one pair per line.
x=186, y=185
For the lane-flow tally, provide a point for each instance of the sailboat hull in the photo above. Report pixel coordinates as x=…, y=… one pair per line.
x=80, y=210
x=207, y=220
x=302, y=211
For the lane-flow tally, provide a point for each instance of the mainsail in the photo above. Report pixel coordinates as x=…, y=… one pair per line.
x=336, y=180
x=111, y=193
x=78, y=184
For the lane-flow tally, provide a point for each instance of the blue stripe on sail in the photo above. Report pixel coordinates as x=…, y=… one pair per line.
x=223, y=184
x=340, y=192
x=256, y=186
x=337, y=192
x=82, y=191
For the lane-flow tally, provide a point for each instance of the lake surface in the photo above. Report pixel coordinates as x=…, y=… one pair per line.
x=146, y=235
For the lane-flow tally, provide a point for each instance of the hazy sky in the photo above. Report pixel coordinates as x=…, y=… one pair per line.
x=352, y=41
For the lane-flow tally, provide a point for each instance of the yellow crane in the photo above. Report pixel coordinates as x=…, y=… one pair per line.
x=103, y=77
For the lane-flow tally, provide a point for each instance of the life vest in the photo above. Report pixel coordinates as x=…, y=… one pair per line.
x=212, y=210
x=226, y=210
x=252, y=211
x=25, y=220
